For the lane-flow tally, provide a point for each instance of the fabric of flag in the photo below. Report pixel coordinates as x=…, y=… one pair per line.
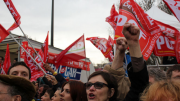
x=7, y=61
x=14, y=26
x=45, y=48
x=36, y=72
x=174, y=6
x=13, y=10
x=103, y=46
x=110, y=41
x=3, y=33
x=74, y=52
x=112, y=18
x=168, y=42
x=131, y=12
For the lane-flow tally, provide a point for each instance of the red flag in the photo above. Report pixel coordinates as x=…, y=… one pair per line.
x=51, y=57
x=149, y=31
x=103, y=46
x=112, y=18
x=3, y=33
x=13, y=10
x=80, y=64
x=110, y=41
x=36, y=72
x=174, y=6
x=45, y=48
x=7, y=61
x=14, y=26
x=74, y=52
x=177, y=48
x=167, y=44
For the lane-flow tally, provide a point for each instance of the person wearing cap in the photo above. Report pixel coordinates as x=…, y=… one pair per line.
x=15, y=88
x=20, y=69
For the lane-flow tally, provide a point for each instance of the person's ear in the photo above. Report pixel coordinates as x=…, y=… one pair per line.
x=17, y=98
x=111, y=92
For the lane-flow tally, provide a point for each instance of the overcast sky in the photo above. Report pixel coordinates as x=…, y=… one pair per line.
x=72, y=18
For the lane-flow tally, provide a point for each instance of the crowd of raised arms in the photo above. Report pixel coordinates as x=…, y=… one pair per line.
x=110, y=84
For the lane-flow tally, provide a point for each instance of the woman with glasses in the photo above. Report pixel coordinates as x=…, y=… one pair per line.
x=101, y=86
x=73, y=91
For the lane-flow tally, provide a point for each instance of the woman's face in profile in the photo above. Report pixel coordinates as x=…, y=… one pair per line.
x=45, y=97
x=56, y=96
x=65, y=94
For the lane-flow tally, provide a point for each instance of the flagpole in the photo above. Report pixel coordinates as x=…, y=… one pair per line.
x=52, y=25
x=27, y=38
x=31, y=44
x=85, y=58
x=27, y=53
x=23, y=32
x=3, y=70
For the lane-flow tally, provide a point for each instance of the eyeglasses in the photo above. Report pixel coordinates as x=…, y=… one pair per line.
x=97, y=85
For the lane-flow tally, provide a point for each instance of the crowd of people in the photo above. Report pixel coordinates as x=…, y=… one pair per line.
x=111, y=84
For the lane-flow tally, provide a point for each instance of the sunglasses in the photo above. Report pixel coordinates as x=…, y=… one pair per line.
x=97, y=85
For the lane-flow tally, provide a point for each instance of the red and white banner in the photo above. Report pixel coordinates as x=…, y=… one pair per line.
x=168, y=43
x=13, y=10
x=145, y=21
x=74, y=52
x=78, y=64
x=146, y=40
x=36, y=72
x=37, y=59
x=52, y=57
x=3, y=33
x=174, y=6
x=7, y=61
x=178, y=48
x=103, y=46
x=131, y=12
x=111, y=19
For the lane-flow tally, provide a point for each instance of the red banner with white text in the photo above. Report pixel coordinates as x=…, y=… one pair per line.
x=168, y=42
x=131, y=12
x=112, y=19
x=13, y=10
x=36, y=72
x=146, y=40
x=103, y=46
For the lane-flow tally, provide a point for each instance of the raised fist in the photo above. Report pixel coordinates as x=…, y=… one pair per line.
x=121, y=44
x=131, y=33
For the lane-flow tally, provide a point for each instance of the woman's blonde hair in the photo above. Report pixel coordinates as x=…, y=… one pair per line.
x=162, y=90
